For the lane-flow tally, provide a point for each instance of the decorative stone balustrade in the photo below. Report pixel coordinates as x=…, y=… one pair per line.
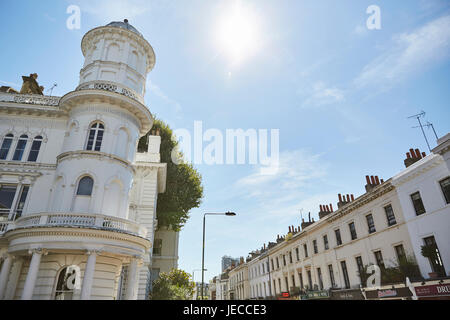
x=30, y=99
x=112, y=87
x=95, y=221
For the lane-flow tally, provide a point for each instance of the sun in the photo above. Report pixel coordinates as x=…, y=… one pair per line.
x=238, y=32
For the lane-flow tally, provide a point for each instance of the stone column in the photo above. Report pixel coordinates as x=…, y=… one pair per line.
x=4, y=274
x=88, y=278
x=131, y=279
x=30, y=281
x=14, y=276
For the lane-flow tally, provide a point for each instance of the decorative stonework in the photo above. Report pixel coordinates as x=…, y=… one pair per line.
x=36, y=99
x=111, y=87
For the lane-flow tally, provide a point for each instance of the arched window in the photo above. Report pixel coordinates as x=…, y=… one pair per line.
x=20, y=148
x=6, y=145
x=95, y=136
x=66, y=283
x=35, y=147
x=85, y=186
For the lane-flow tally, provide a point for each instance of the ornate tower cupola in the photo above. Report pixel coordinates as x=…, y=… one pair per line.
x=117, y=57
x=107, y=116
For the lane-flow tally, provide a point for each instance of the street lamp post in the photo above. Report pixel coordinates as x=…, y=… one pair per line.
x=203, y=247
x=193, y=278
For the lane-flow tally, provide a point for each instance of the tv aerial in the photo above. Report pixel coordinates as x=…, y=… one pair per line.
x=51, y=89
x=418, y=116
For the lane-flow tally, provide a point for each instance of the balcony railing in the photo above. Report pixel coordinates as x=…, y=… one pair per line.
x=30, y=99
x=95, y=221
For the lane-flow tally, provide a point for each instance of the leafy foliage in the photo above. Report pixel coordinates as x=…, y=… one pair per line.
x=397, y=273
x=184, y=190
x=175, y=285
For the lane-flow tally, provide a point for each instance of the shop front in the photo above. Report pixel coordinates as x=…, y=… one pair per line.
x=350, y=294
x=315, y=295
x=402, y=293
x=433, y=292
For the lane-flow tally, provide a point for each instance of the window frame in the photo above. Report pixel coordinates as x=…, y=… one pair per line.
x=95, y=139
x=388, y=220
x=331, y=274
x=338, y=238
x=370, y=224
x=315, y=247
x=10, y=138
x=345, y=274
x=39, y=139
x=326, y=244
x=352, y=228
x=77, y=194
x=379, y=262
x=446, y=197
x=17, y=155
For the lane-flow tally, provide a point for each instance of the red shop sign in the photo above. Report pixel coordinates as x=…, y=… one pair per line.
x=434, y=290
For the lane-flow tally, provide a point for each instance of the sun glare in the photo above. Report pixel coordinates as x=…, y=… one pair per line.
x=238, y=33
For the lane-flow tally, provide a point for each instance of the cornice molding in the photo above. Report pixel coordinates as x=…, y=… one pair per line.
x=417, y=169
x=102, y=156
x=142, y=114
x=67, y=231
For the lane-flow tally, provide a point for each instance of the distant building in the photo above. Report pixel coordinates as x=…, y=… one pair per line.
x=227, y=261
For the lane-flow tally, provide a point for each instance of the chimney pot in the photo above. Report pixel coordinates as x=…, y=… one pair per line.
x=372, y=179
x=340, y=197
x=321, y=208
x=412, y=152
x=424, y=154
x=408, y=155
x=348, y=198
x=331, y=207
x=368, y=179
x=377, y=180
x=418, y=155
x=353, y=197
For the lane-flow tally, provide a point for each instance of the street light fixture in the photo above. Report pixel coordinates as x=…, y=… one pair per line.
x=230, y=214
x=193, y=271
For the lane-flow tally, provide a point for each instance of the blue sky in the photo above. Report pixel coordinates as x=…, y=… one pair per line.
x=339, y=93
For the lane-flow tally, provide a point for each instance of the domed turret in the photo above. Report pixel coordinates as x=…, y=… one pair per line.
x=117, y=58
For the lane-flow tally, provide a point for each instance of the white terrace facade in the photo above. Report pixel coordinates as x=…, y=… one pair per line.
x=394, y=218
x=330, y=252
x=259, y=276
x=78, y=203
x=238, y=282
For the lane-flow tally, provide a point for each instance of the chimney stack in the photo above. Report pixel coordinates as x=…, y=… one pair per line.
x=343, y=200
x=372, y=182
x=306, y=224
x=413, y=156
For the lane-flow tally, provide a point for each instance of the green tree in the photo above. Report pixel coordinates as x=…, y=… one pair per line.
x=184, y=190
x=175, y=285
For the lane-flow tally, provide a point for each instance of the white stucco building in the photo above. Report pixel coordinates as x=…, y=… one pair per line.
x=77, y=202
x=424, y=192
x=391, y=221
x=259, y=274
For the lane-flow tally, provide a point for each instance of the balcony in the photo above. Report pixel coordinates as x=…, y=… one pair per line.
x=92, y=221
